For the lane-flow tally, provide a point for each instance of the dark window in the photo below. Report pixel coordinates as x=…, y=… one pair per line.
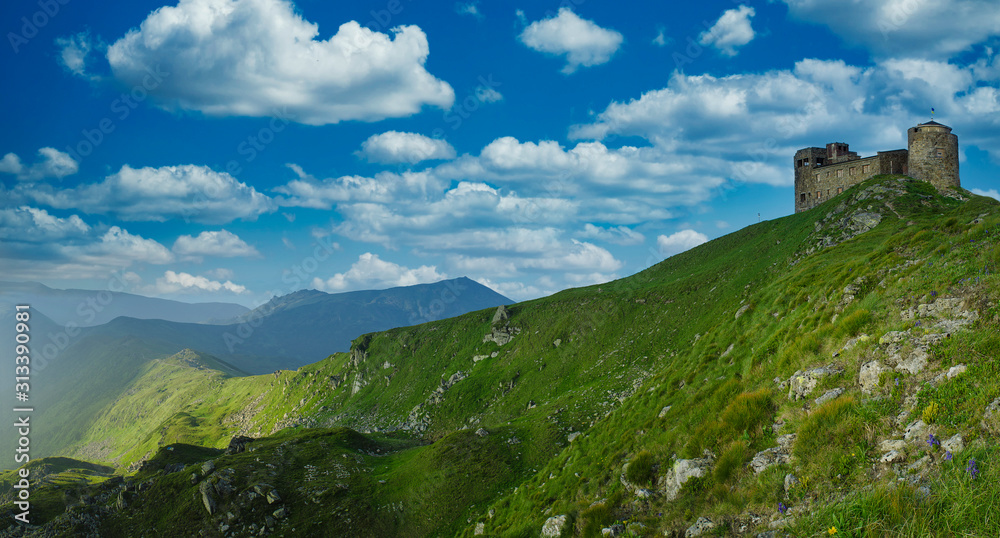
x=803, y=197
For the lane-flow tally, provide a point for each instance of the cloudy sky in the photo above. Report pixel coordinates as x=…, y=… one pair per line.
x=235, y=149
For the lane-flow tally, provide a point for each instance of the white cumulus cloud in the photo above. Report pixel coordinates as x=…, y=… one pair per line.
x=992, y=193
x=174, y=282
x=118, y=243
x=930, y=29
x=33, y=224
x=583, y=42
x=51, y=163
x=395, y=147
x=222, y=243
x=731, y=31
x=260, y=57
x=372, y=272
x=73, y=53
x=192, y=192
x=619, y=235
x=679, y=242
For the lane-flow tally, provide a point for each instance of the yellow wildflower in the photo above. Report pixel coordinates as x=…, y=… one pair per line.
x=833, y=530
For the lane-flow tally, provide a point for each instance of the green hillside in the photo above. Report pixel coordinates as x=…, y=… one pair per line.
x=81, y=375
x=682, y=396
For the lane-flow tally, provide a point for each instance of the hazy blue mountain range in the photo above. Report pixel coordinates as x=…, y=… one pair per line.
x=87, y=308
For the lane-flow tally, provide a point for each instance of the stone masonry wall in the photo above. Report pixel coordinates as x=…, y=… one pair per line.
x=819, y=184
x=934, y=157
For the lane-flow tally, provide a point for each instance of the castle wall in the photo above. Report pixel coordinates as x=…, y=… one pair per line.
x=816, y=185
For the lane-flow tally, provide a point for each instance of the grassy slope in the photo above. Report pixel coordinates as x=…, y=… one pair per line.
x=626, y=350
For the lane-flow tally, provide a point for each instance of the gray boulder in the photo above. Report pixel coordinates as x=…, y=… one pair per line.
x=554, y=526
x=868, y=378
x=207, y=496
x=682, y=471
x=766, y=458
x=702, y=526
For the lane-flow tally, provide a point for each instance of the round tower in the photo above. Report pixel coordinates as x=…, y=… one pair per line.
x=933, y=154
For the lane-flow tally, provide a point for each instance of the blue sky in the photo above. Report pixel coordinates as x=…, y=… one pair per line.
x=235, y=149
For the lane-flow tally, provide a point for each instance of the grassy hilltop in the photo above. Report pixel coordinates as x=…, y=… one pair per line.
x=831, y=369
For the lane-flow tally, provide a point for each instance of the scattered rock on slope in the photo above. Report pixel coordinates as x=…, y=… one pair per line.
x=554, y=526
x=682, y=471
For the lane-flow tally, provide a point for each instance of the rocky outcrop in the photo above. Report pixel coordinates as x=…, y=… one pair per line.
x=207, y=496
x=801, y=384
x=829, y=395
x=501, y=335
x=701, y=527
x=991, y=417
x=501, y=315
x=554, y=526
x=671, y=483
x=238, y=444
x=773, y=456
x=501, y=332
x=869, y=376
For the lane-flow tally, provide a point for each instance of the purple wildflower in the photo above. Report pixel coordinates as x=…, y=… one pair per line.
x=933, y=293
x=782, y=508
x=947, y=455
x=972, y=469
x=931, y=441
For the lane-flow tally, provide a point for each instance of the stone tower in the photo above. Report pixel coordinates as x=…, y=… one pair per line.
x=933, y=154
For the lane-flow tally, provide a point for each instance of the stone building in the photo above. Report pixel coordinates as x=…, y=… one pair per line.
x=822, y=173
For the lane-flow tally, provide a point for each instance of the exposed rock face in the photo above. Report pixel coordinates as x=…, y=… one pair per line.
x=207, y=496
x=829, y=395
x=892, y=456
x=802, y=383
x=951, y=312
x=682, y=471
x=500, y=330
x=501, y=335
x=766, y=458
x=868, y=378
x=991, y=417
x=915, y=430
x=501, y=315
x=554, y=526
x=238, y=444
x=790, y=482
x=954, y=444
x=701, y=527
